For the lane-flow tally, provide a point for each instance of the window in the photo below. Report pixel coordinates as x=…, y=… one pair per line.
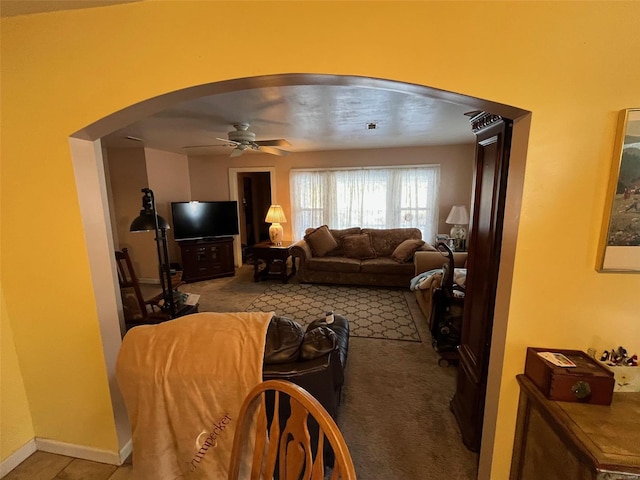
x=389, y=197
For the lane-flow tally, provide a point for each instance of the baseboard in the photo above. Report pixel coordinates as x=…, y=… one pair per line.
x=17, y=457
x=79, y=451
x=67, y=449
x=126, y=451
x=149, y=281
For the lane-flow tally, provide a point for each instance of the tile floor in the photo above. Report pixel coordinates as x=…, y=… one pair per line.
x=49, y=466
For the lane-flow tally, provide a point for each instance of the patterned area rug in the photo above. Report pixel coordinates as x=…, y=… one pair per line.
x=372, y=312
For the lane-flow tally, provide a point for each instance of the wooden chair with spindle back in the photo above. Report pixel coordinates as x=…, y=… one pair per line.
x=286, y=450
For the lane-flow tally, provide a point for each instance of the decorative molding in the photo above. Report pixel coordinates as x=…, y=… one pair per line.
x=17, y=457
x=483, y=120
x=82, y=451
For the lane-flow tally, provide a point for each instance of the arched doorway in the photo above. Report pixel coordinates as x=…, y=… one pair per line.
x=90, y=179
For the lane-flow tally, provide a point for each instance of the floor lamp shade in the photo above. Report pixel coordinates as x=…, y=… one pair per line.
x=147, y=222
x=148, y=219
x=275, y=216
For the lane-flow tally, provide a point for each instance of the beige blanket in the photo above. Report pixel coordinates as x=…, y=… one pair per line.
x=183, y=383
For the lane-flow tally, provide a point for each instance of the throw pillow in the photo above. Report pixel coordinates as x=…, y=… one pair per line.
x=404, y=252
x=339, y=235
x=321, y=241
x=317, y=342
x=358, y=246
x=283, y=340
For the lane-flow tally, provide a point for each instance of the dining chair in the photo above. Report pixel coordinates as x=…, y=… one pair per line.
x=290, y=448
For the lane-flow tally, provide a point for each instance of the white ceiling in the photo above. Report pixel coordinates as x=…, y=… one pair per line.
x=310, y=117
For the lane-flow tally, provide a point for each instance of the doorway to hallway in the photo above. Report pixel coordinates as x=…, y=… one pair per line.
x=254, y=190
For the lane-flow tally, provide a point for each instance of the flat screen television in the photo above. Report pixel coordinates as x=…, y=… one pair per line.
x=199, y=220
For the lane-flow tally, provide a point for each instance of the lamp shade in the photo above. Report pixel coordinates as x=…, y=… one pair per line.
x=275, y=215
x=458, y=215
x=146, y=221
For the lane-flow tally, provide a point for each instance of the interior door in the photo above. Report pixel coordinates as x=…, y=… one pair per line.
x=493, y=143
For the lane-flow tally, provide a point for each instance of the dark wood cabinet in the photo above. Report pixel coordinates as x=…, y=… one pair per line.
x=493, y=140
x=207, y=259
x=576, y=441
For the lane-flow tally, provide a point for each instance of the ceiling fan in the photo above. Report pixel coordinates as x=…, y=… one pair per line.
x=243, y=139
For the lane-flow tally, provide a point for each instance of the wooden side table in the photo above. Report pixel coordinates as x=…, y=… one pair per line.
x=571, y=440
x=275, y=258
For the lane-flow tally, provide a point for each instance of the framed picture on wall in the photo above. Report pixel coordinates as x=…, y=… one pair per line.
x=620, y=245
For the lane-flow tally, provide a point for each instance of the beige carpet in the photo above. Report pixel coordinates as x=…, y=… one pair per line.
x=395, y=414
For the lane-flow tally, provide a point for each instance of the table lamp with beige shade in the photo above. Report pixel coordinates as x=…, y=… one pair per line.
x=275, y=216
x=458, y=217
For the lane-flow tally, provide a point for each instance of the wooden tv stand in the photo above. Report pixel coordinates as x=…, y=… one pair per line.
x=207, y=259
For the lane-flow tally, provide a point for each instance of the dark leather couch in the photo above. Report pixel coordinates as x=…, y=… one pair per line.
x=314, y=358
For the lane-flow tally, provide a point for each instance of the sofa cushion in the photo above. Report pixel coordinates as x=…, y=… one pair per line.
x=384, y=265
x=358, y=246
x=404, y=252
x=334, y=264
x=321, y=241
x=131, y=305
x=284, y=337
x=385, y=241
x=317, y=342
x=339, y=236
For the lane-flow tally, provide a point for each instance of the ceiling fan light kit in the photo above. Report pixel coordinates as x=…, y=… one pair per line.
x=241, y=134
x=243, y=139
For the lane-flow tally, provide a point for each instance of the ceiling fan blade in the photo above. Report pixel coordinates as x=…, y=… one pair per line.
x=205, y=146
x=236, y=152
x=272, y=150
x=228, y=141
x=277, y=142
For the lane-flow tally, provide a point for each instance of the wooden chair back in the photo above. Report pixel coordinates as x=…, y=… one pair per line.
x=286, y=450
x=135, y=309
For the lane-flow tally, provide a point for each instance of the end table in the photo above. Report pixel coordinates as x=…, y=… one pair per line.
x=275, y=258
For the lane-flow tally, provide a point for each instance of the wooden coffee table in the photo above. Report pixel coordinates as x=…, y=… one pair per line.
x=275, y=261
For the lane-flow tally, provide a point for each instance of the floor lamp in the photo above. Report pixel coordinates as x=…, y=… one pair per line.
x=147, y=221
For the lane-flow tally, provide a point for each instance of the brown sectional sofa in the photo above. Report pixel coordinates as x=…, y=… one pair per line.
x=383, y=266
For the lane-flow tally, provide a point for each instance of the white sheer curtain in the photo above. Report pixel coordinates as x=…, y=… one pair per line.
x=389, y=197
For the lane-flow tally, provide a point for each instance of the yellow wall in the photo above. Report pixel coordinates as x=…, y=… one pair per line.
x=570, y=63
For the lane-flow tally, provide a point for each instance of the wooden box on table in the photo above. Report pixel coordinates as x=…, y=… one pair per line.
x=587, y=382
